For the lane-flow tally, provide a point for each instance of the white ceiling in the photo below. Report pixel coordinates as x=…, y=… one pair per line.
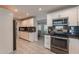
x=33, y=10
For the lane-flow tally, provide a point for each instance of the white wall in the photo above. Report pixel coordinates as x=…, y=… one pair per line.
x=6, y=31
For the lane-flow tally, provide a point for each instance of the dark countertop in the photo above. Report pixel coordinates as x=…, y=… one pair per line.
x=74, y=36
x=69, y=36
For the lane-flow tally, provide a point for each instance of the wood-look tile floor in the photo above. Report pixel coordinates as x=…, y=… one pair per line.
x=25, y=47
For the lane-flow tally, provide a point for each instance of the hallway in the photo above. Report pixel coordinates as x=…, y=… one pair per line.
x=25, y=47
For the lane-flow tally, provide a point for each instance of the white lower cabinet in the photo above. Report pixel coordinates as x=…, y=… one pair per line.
x=73, y=46
x=31, y=37
x=47, y=41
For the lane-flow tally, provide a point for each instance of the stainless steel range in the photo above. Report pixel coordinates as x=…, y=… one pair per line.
x=59, y=38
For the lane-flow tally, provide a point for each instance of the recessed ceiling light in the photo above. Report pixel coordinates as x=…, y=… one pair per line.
x=16, y=10
x=40, y=9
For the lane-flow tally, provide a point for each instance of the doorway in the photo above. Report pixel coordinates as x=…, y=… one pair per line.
x=42, y=31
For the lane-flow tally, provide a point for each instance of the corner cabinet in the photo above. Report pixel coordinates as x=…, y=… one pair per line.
x=73, y=46
x=47, y=41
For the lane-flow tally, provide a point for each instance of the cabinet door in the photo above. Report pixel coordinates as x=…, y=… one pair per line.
x=47, y=42
x=71, y=14
x=29, y=22
x=73, y=46
x=24, y=35
x=31, y=37
x=52, y=16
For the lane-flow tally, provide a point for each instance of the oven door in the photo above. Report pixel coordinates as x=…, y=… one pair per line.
x=59, y=45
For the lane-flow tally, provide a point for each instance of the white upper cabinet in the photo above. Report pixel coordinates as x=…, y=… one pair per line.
x=28, y=23
x=52, y=16
x=71, y=13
